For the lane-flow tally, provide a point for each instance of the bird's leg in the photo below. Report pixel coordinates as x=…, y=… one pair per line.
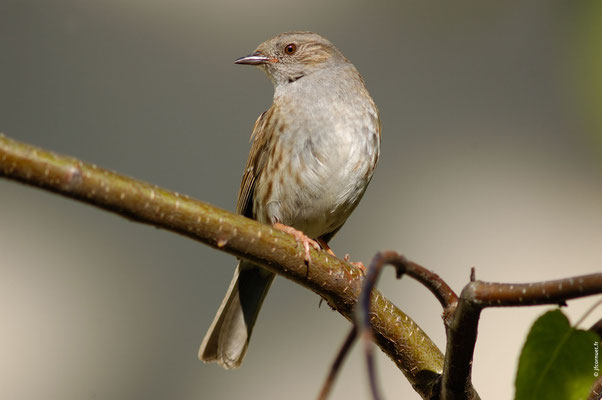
x=317, y=244
x=301, y=238
x=325, y=246
x=358, y=264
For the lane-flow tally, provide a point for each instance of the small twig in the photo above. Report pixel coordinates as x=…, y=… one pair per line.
x=446, y=296
x=433, y=282
x=338, y=362
x=477, y=295
x=370, y=365
x=363, y=312
x=588, y=312
x=597, y=328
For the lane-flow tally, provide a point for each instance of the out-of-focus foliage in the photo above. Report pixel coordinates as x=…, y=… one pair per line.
x=588, y=64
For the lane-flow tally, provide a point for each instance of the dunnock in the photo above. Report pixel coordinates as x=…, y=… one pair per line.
x=312, y=156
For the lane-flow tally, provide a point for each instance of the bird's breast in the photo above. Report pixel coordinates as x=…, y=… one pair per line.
x=328, y=147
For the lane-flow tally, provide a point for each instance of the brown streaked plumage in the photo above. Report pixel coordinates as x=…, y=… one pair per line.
x=312, y=156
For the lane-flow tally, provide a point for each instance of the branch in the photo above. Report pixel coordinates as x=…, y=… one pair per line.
x=335, y=280
x=477, y=295
x=365, y=323
x=446, y=296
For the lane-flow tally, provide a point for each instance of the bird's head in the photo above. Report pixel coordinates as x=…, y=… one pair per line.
x=291, y=56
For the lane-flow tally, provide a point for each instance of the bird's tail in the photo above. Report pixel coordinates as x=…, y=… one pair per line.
x=228, y=336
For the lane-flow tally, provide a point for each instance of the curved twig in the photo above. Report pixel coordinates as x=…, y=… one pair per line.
x=446, y=296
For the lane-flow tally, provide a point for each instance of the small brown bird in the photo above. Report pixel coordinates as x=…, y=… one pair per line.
x=313, y=154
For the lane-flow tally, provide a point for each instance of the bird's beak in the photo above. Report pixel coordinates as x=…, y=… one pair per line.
x=255, y=59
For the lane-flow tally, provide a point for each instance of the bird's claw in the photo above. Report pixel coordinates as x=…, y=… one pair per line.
x=301, y=238
x=359, y=265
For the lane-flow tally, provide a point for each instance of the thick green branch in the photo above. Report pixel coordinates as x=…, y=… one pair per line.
x=396, y=334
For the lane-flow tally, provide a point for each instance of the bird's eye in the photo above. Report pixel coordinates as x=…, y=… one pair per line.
x=290, y=49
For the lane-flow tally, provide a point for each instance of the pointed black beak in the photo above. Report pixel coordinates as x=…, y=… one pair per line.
x=255, y=59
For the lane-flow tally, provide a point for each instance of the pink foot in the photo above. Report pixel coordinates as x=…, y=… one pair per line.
x=358, y=264
x=300, y=237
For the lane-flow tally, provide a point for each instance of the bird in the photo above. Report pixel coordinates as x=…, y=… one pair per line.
x=313, y=153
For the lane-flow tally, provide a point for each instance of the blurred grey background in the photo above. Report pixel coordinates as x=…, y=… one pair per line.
x=490, y=159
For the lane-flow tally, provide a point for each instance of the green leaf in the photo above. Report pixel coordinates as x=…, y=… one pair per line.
x=557, y=361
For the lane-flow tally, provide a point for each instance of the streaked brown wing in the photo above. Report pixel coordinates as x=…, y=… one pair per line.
x=255, y=164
